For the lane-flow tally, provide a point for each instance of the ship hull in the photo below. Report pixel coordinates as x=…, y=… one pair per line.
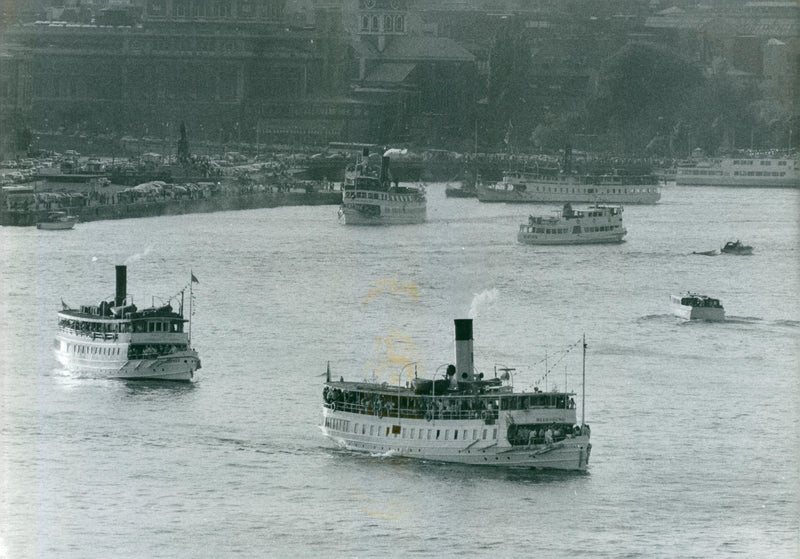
x=569, y=239
x=569, y=454
x=552, y=193
x=384, y=215
x=180, y=366
x=686, y=312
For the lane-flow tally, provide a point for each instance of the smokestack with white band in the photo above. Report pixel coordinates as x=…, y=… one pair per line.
x=464, y=368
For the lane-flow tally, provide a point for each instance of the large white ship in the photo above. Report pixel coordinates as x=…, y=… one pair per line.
x=594, y=225
x=552, y=186
x=463, y=418
x=741, y=171
x=115, y=339
x=370, y=198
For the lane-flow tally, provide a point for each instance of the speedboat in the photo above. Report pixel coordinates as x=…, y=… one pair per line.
x=693, y=306
x=57, y=221
x=736, y=247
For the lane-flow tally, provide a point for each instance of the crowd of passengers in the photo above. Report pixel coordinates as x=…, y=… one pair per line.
x=146, y=351
x=543, y=433
x=435, y=407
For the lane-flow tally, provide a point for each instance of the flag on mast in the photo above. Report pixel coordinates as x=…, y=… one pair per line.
x=194, y=279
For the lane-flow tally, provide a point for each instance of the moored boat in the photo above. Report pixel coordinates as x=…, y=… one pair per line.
x=596, y=224
x=369, y=197
x=57, y=221
x=736, y=247
x=115, y=339
x=746, y=170
x=462, y=418
x=557, y=185
x=463, y=191
x=693, y=306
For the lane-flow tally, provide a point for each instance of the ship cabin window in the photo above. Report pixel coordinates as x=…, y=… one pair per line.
x=364, y=429
x=429, y=434
x=484, y=434
x=355, y=428
x=474, y=434
x=396, y=429
x=494, y=433
x=371, y=430
x=437, y=434
x=412, y=433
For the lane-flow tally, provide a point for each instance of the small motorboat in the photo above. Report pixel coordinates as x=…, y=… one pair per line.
x=57, y=220
x=693, y=306
x=736, y=247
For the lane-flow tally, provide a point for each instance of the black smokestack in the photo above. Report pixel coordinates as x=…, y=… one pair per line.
x=122, y=285
x=365, y=152
x=384, y=168
x=464, y=358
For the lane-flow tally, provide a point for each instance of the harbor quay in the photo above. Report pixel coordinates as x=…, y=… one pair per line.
x=28, y=204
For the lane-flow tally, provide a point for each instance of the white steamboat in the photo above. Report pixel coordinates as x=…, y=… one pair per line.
x=116, y=340
x=781, y=172
x=542, y=187
x=594, y=225
x=370, y=198
x=463, y=418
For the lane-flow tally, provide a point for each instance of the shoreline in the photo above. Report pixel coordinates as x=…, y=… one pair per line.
x=26, y=218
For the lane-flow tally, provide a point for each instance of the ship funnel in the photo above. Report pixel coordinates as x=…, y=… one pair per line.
x=365, y=152
x=122, y=285
x=464, y=368
x=384, y=169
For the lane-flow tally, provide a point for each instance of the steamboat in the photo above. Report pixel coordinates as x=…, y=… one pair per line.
x=462, y=418
x=598, y=224
x=780, y=172
x=542, y=187
x=115, y=339
x=369, y=197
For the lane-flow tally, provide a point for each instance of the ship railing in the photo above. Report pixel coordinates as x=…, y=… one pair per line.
x=90, y=334
x=414, y=412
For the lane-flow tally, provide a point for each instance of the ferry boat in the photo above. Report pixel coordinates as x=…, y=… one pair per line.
x=462, y=418
x=370, y=198
x=115, y=339
x=741, y=171
x=597, y=224
x=697, y=307
x=57, y=221
x=553, y=186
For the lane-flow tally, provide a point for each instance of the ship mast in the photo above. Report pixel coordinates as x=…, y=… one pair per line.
x=191, y=280
x=583, y=385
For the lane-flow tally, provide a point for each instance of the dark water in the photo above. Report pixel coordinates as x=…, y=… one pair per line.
x=694, y=425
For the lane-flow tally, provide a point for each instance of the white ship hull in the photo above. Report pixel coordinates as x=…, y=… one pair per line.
x=101, y=363
x=556, y=192
x=479, y=443
x=686, y=312
x=571, y=239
